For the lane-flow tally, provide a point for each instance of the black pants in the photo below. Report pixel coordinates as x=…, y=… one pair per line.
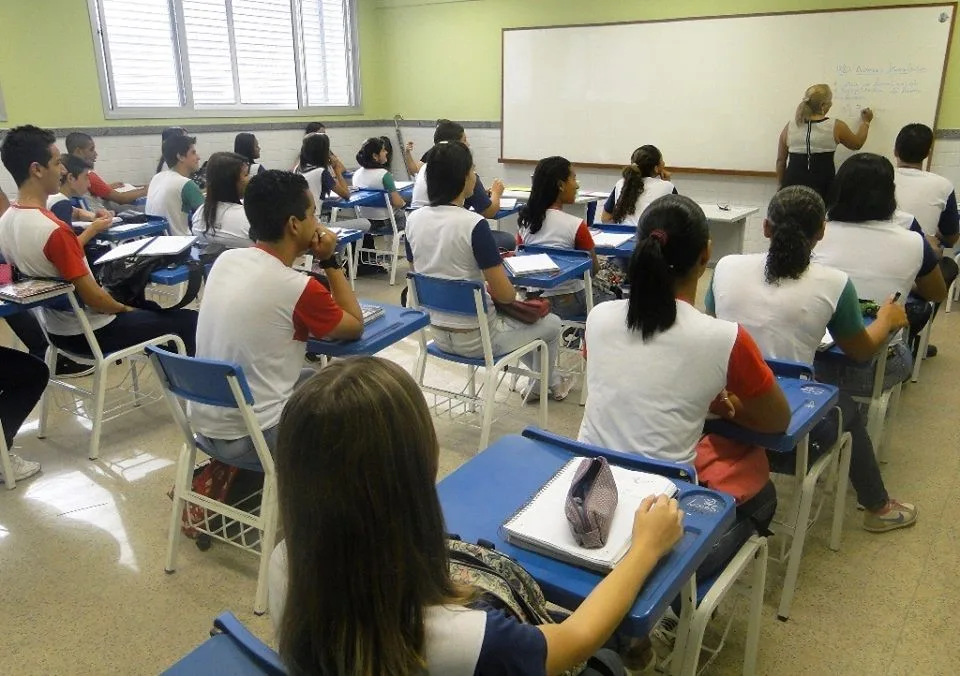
x=23, y=378
x=26, y=327
x=135, y=327
x=753, y=516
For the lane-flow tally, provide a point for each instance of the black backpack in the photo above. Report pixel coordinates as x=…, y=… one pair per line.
x=126, y=279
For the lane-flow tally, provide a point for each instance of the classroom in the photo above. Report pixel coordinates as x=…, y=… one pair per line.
x=495, y=336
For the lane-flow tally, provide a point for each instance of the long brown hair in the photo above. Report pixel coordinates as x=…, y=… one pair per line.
x=643, y=163
x=356, y=464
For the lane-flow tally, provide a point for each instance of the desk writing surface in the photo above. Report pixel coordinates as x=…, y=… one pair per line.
x=731, y=215
x=572, y=266
x=396, y=324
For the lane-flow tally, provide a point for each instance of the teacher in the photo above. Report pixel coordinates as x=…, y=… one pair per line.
x=808, y=143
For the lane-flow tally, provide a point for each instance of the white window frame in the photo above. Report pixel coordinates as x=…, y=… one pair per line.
x=187, y=109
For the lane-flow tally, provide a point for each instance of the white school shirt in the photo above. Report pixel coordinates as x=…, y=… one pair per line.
x=653, y=188
x=652, y=397
x=812, y=137
x=559, y=230
x=315, y=183
x=925, y=195
x=258, y=312
x=55, y=199
x=165, y=199
x=881, y=257
x=786, y=319
x=374, y=180
x=420, y=197
x=231, y=227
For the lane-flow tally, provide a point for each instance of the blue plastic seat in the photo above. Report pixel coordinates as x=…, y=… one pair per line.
x=231, y=649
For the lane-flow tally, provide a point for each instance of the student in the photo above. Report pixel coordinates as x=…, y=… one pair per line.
x=656, y=365
x=446, y=241
x=221, y=223
x=375, y=174
x=259, y=312
x=73, y=186
x=324, y=174
x=246, y=145
x=312, y=128
x=643, y=181
x=786, y=303
x=872, y=242
x=82, y=145
x=39, y=245
x=168, y=133
x=807, y=144
x=23, y=379
x=391, y=606
x=171, y=194
x=543, y=222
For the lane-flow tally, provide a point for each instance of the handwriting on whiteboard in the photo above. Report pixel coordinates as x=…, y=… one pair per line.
x=865, y=82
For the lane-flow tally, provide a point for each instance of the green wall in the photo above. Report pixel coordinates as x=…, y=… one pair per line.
x=48, y=69
x=458, y=44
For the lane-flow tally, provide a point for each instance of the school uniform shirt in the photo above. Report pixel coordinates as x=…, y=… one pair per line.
x=786, y=319
x=653, y=187
x=321, y=182
x=374, y=179
x=61, y=206
x=231, y=227
x=259, y=313
x=652, y=397
x=452, y=243
x=173, y=197
x=881, y=257
x=256, y=169
x=39, y=244
x=98, y=187
x=562, y=231
x=459, y=640
x=930, y=198
x=478, y=201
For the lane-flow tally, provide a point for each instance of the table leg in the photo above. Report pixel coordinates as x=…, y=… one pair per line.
x=742, y=227
x=352, y=256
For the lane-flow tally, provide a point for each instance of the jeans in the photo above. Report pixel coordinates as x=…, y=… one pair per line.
x=130, y=328
x=506, y=335
x=22, y=381
x=572, y=306
x=856, y=380
x=753, y=516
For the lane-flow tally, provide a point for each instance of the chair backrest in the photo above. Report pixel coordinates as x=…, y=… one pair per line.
x=454, y=296
x=203, y=381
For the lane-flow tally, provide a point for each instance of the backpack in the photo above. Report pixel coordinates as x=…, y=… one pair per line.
x=225, y=483
x=126, y=279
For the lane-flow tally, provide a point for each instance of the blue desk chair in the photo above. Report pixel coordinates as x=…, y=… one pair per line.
x=231, y=649
x=223, y=384
x=468, y=299
x=394, y=232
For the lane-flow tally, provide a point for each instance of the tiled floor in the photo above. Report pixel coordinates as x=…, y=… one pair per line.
x=82, y=550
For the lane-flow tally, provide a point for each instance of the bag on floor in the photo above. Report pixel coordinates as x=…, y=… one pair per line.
x=223, y=483
x=126, y=279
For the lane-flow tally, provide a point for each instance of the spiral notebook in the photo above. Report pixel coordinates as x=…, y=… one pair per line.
x=541, y=525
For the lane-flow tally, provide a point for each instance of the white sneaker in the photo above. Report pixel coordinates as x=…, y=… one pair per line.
x=561, y=390
x=22, y=469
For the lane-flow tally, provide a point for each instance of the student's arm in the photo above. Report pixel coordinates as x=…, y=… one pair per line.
x=948, y=229
x=396, y=201
x=858, y=342
x=608, y=207
x=339, y=182
x=95, y=228
x=349, y=324
x=584, y=242
x=657, y=527
x=191, y=197
x=99, y=188
x=760, y=404
x=413, y=165
x=782, y=151
x=64, y=251
x=487, y=255
x=496, y=193
x=95, y=297
x=853, y=141
x=930, y=284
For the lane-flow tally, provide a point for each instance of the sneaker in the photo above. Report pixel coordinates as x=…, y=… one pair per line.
x=897, y=515
x=561, y=390
x=666, y=630
x=22, y=469
x=67, y=368
x=931, y=351
x=531, y=393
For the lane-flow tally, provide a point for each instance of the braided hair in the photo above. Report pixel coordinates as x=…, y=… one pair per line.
x=795, y=216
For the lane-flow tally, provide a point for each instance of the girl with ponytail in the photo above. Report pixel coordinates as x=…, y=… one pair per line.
x=787, y=303
x=643, y=181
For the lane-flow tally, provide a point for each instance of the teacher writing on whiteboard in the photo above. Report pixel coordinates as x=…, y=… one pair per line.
x=808, y=143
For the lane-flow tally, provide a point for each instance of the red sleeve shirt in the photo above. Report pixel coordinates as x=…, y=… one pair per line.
x=316, y=313
x=64, y=251
x=98, y=187
x=583, y=240
x=748, y=375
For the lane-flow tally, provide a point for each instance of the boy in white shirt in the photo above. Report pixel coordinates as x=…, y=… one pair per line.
x=171, y=194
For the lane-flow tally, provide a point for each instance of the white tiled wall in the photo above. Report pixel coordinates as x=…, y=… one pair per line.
x=134, y=158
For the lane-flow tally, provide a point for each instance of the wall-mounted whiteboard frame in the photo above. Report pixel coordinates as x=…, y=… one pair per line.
x=582, y=108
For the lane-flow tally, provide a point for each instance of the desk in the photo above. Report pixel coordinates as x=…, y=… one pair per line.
x=588, y=199
x=8, y=308
x=483, y=493
x=725, y=241
x=347, y=239
x=625, y=250
x=572, y=265
x=128, y=231
x=396, y=324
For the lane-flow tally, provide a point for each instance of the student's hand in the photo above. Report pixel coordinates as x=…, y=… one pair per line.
x=104, y=213
x=725, y=405
x=657, y=525
x=324, y=243
x=665, y=175
x=496, y=188
x=117, y=184
x=408, y=148
x=894, y=314
x=101, y=224
x=866, y=115
x=336, y=165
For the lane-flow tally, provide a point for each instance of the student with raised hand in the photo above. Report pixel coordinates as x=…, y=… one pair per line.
x=643, y=181
x=246, y=145
x=543, y=222
x=221, y=222
x=73, y=186
x=259, y=312
x=40, y=245
x=82, y=145
x=807, y=144
x=172, y=194
x=374, y=174
x=391, y=607
x=786, y=302
x=445, y=240
x=657, y=366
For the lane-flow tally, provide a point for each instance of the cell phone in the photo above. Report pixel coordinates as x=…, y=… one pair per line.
x=896, y=296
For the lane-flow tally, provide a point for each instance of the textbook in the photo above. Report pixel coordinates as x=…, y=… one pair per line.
x=610, y=239
x=541, y=524
x=370, y=312
x=162, y=245
x=530, y=264
x=33, y=290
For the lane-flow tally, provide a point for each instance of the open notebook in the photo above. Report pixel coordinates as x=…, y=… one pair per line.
x=162, y=245
x=541, y=525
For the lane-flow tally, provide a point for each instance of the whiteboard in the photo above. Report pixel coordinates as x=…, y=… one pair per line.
x=713, y=94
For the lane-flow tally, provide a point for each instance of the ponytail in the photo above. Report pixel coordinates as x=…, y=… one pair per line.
x=544, y=193
x=673, y=235
x=643, y=163
x=794, y=217
x=815, y=99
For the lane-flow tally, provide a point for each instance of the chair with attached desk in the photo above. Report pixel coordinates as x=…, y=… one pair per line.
x=923, y=339
x=231, y=649
x=810, y=402
x=222, y=384
x=467, y=299
x=953, y=293
x=373, y=198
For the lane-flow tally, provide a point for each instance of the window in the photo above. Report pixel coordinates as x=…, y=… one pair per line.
x=220, y=57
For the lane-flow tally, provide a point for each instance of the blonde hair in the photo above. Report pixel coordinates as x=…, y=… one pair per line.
x=814, y=100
